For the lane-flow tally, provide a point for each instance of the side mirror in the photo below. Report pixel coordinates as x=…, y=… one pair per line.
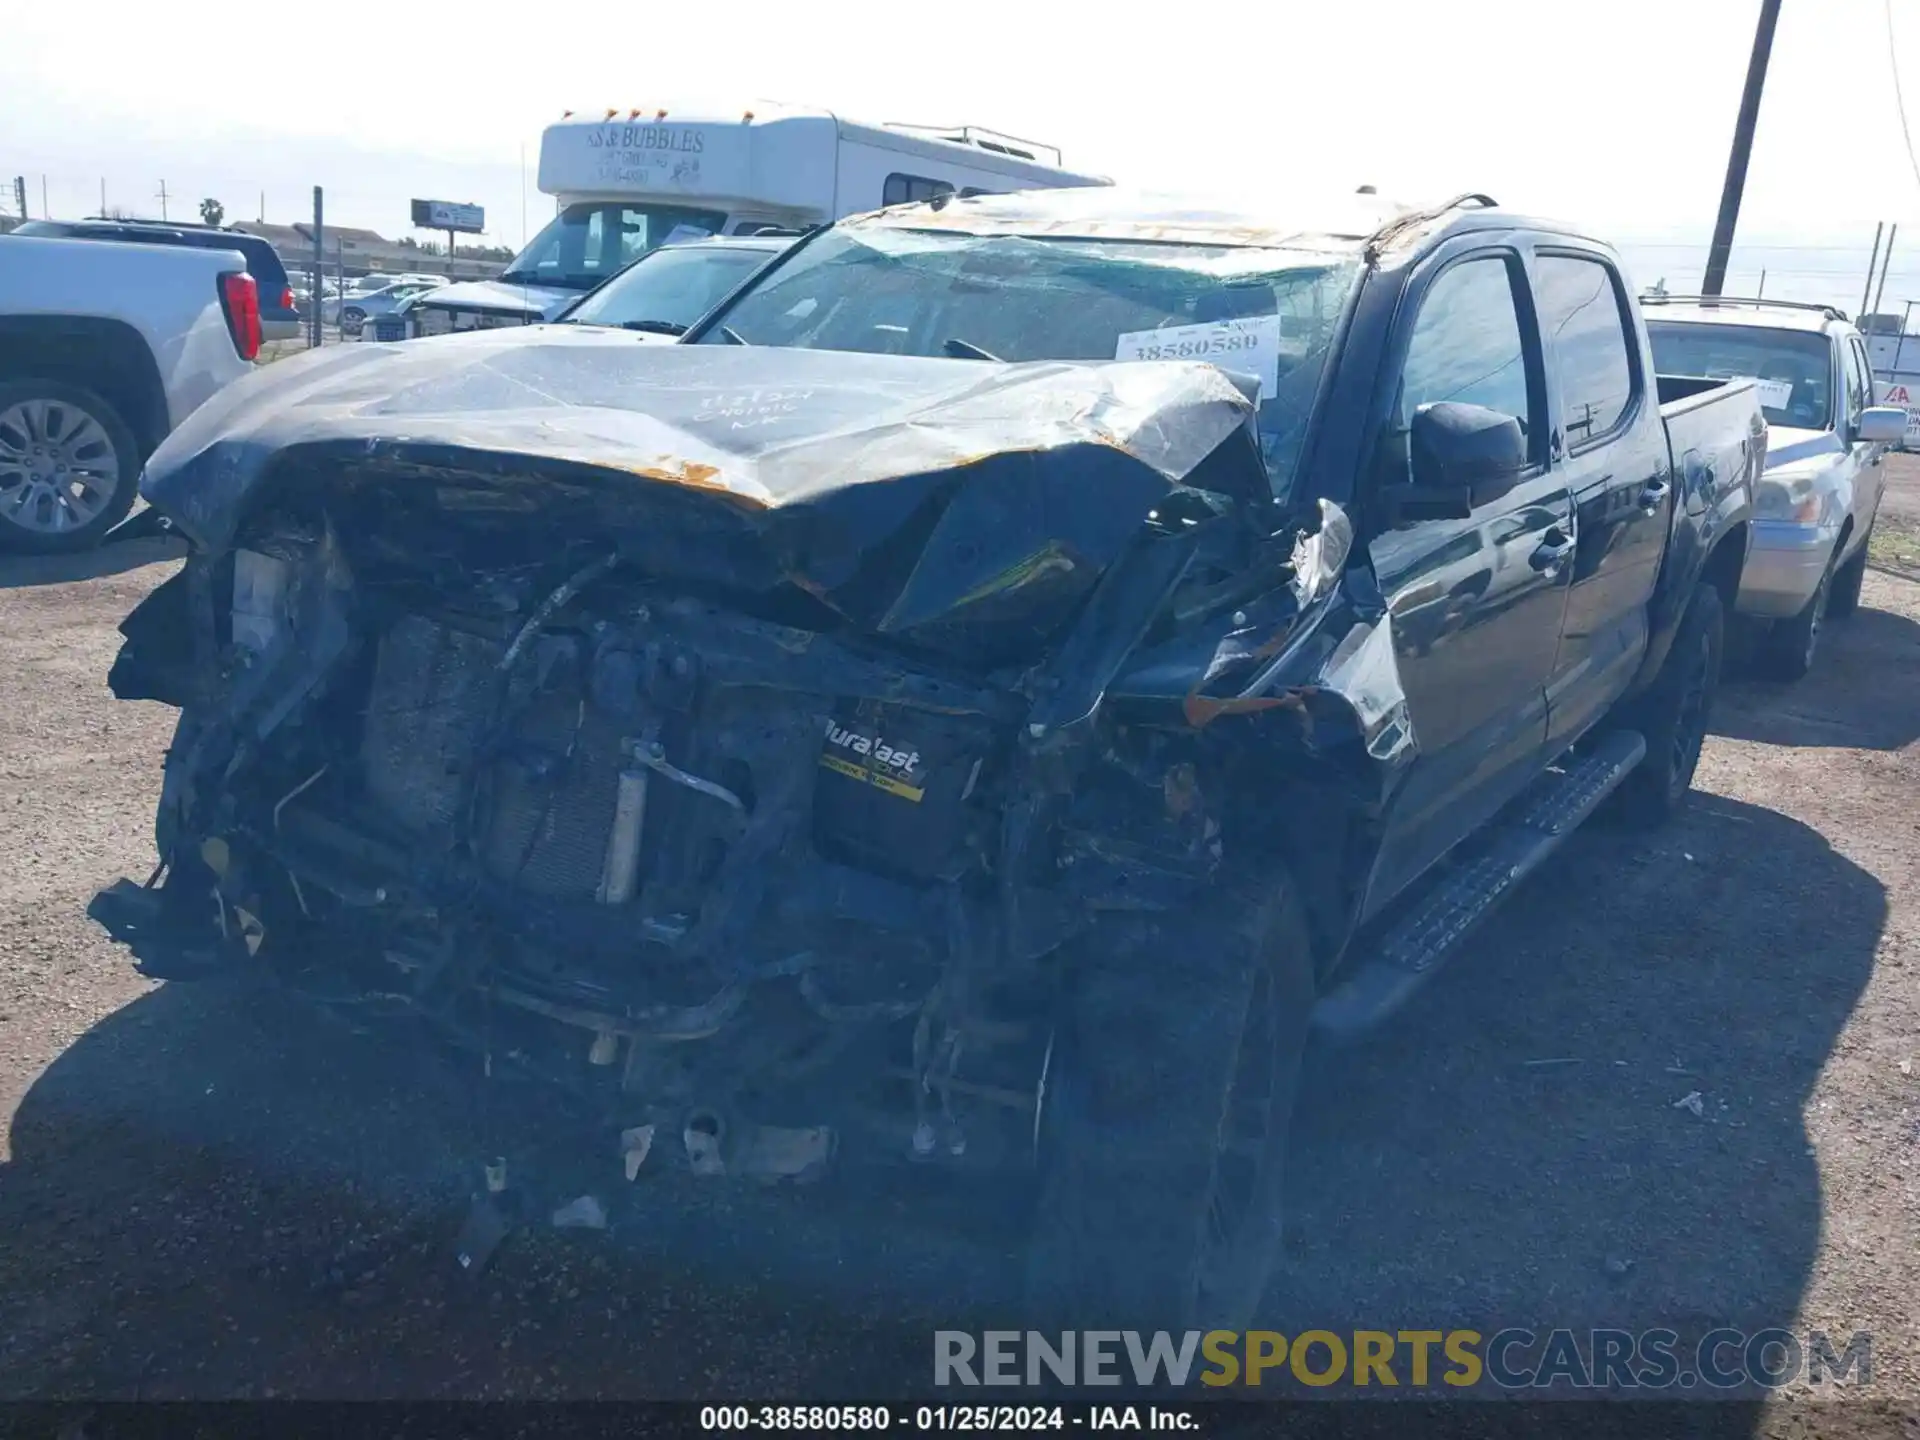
x=1463, y=456
x=1882, y=425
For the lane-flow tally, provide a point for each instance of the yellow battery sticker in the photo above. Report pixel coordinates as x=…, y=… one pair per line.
x=872, y=777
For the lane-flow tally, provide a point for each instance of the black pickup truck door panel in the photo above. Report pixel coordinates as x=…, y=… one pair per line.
x=1475, y=603
x=1610, y=448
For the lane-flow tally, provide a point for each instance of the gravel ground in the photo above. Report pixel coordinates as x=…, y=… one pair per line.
x=208, y=1191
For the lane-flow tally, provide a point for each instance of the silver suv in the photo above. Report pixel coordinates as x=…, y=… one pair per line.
x=1816, y=502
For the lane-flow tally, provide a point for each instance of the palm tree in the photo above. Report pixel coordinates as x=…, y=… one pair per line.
x=212, y=212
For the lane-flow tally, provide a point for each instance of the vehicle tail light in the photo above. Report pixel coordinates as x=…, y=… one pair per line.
x=240, y=299
x=286, y=298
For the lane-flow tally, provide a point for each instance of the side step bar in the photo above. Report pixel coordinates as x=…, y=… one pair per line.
x=1510, y=850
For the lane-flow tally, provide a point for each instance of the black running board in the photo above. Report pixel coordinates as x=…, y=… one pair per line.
x=1513, y=847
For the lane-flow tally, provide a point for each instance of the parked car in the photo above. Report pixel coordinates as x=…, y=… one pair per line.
x=666, y=290
x=104, y=349
x=1815, y=505
x=357, y=308
x=280, y=313
x=883, y=686
x=341, y=292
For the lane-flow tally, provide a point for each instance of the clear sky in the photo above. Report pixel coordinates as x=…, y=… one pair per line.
x=1616, y=114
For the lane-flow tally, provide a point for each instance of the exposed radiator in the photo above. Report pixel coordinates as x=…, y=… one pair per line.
x=425, y=713
x=550, y=831
x=551, y=785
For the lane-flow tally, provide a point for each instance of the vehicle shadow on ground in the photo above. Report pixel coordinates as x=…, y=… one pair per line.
x=276, y=1195
x=1862, y=693
x=1521, y=1148
x=115, y=558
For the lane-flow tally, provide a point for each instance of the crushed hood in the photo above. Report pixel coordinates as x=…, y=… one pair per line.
x=909, y=495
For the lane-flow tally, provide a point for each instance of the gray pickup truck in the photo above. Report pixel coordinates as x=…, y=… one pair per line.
x=985, y=695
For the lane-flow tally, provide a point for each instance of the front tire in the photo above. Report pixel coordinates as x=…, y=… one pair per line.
x=1673, y=715
x=1847, y=580
x=69, y=467
x=1163, y=1123
x=1788, y=646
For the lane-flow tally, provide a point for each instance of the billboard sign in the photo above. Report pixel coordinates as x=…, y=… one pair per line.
x=445, y=215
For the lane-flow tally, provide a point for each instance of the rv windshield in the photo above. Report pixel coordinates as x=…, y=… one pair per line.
x=586, y=243
x=1266, y=313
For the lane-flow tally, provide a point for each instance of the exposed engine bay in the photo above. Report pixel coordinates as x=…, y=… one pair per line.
x=755, y=787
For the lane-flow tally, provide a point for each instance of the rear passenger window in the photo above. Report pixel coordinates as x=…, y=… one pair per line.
x=1466, y=345
x=1586, y=325
x=907, y=189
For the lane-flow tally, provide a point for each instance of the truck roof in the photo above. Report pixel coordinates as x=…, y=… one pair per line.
x=1736, y=310
x=1330, y=221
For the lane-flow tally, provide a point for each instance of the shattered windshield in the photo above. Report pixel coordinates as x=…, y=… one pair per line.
x=1264, y=314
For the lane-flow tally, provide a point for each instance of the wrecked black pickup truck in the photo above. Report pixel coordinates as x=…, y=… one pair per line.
x=986, y=695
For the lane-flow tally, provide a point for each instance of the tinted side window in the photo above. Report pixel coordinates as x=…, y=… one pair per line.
x=1466, y=344
x=1581, y=314
x=907, y=189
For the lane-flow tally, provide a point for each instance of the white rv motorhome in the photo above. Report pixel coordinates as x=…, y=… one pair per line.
x=629, y=181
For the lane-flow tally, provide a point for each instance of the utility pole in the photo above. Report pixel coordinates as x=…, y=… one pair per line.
x=162, y=195
x=319, y=272
x=1736, y=184
x=1886, y=259
x=103, y=197
x=1873, y=263
x=46, y=210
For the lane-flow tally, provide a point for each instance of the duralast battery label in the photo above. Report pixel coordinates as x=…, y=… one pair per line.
x=874, y=760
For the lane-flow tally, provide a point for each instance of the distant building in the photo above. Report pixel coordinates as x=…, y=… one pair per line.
x=363, y=252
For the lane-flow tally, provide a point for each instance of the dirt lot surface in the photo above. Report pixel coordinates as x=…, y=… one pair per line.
x=208, y=1191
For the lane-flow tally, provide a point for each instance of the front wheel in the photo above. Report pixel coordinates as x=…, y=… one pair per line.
x=69, y=467
x=1164, y=1115
x=1847, y=580
x=1788, y=647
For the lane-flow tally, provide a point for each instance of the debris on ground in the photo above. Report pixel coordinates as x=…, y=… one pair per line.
x=635, y=1145
x=584, y=1213
x=1617, y=1266
x=486, y=1226
x=1691, y=1101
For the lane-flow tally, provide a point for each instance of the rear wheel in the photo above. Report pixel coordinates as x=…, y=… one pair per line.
x=1847, y=580
x=69, y=467
x=1673, y=715
x=1164, y=1117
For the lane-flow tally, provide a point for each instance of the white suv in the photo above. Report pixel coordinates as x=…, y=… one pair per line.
x=1816, y=501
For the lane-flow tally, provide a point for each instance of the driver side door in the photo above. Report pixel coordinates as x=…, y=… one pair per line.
x=1476, y=604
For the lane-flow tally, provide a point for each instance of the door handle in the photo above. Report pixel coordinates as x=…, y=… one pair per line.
x=1551, y=553
x=1653, y=493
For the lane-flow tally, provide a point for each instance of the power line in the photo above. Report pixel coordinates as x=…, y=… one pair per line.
x=1899, y=99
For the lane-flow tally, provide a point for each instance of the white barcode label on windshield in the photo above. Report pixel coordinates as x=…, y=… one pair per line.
x=1246, y=347
x=1774, y=394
